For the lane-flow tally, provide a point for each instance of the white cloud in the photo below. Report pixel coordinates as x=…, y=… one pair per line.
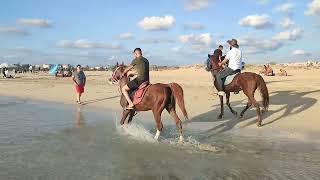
x=86, y=44
x=313, y=8
x=157, y=23
x=124, y=36
x=285, y=8
x=35, y=22
x=258, y=45
x=300, y=52
x=20, y=49
x=111, y=58
x=287, y=23
x=256, y=21
x=291, y=35
x=194, y=26
x=196, y=43
x=195, y=5
x=176, y=48
x=155, y=40
x=14, y=31
x=204, y=39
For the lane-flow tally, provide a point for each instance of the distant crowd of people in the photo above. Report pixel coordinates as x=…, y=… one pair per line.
x=5, y=73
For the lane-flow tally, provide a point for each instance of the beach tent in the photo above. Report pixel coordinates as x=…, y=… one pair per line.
x=54, y=69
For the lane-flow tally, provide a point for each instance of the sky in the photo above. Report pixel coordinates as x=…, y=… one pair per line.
x=170, y=32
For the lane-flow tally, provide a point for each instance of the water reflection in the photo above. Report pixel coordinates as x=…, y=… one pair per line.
x=79, y=120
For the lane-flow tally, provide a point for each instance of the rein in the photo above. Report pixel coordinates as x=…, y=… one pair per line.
x=113, y=77
x=115, y=80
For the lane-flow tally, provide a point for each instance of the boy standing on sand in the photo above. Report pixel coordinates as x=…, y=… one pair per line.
x=79, y=79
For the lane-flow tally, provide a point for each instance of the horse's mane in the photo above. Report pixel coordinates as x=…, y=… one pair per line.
x=119, y=67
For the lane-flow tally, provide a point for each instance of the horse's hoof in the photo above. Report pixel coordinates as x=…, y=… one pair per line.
x=220, y=116
x=259, y=125
x=241, y=116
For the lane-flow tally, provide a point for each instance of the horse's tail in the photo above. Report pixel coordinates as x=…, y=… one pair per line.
x=177, y=93
x=264, y=92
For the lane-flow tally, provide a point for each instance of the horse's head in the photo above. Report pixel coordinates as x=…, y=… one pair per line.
x=212, y=64
x=117, y=74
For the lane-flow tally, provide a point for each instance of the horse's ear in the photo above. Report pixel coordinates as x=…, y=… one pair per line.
x=208, y=55
x=122, y=64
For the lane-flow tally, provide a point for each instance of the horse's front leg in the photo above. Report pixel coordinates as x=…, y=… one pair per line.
x=125, y=114
x=221, y=107
x=157, y=118
x=228, y=104
x=131, y=114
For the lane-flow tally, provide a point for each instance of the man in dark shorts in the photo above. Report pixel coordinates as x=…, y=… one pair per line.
x=141, y=67
x=79, y=79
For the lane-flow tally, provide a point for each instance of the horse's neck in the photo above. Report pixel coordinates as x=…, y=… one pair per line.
x=215, y=65
x=214, y=76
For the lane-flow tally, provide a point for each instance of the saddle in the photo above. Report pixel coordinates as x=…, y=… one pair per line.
x=138, y=94
x=229, y=79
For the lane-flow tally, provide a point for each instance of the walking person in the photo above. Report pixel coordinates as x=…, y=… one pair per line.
x=79, y=79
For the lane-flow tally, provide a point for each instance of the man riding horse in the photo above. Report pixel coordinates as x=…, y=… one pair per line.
x=234, y=58
x=247, y=82
x=141, y=67
x=148, y=97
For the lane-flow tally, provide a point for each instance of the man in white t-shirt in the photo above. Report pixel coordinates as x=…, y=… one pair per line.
x=234, y=57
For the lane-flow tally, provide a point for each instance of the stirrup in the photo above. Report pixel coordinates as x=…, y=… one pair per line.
x=129, y=108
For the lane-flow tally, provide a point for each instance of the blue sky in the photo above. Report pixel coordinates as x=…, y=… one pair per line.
x=170, y=32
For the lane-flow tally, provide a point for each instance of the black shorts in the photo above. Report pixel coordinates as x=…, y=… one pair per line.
x=134, y=84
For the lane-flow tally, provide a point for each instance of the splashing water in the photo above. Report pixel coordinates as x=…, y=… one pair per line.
x=191, y=145
x=135, y=131
x=139, y=132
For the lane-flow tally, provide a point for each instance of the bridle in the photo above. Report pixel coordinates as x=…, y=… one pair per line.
x=114, y=79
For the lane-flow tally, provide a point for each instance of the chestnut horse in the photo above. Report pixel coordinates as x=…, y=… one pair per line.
x=247, y=82
x=157, y=98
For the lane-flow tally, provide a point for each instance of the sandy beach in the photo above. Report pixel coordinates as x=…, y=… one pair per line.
x=294, y=105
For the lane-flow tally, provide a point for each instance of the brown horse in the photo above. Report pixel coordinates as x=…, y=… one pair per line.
x=248, y=83
x=157, y=98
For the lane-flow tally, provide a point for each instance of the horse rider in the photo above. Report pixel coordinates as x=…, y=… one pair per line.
x=234, y=58
x=140, y=65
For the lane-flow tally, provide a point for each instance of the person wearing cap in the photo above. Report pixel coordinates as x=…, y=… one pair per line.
x=140, y=65
x=234, y=58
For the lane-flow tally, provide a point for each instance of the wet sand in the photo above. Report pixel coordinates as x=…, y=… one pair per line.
x=42, y=140
x=293, y=110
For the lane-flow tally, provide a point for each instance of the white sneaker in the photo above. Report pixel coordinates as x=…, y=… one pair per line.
x=221, y=93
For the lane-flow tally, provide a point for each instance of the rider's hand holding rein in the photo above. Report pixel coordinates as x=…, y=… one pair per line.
x=223, y=62
x=126, y=70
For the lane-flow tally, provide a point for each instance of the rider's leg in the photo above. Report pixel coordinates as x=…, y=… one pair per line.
x=219, y=81
x=221, y=75
x=125, y=92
